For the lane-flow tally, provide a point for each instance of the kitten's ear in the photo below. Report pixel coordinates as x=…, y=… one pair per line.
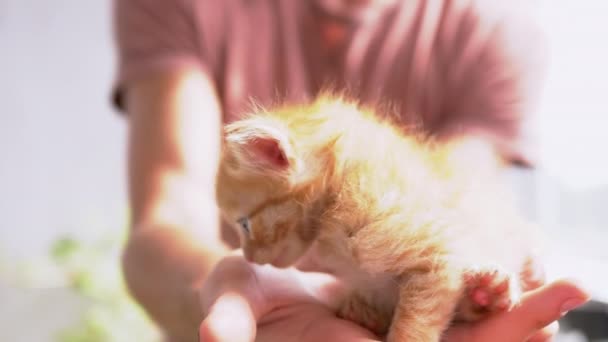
x=259, y=146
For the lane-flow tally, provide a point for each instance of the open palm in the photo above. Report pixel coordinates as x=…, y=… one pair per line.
x=246, y=302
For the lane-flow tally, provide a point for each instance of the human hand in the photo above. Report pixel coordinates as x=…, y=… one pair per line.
x=244, y=302
x=533, y=319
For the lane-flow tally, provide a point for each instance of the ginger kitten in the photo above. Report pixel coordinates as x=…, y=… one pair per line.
x=422, y=233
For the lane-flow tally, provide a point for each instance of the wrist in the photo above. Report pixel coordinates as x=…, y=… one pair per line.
x=164, y=268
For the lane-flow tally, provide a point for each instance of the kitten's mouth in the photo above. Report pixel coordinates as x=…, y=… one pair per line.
x=282, y=260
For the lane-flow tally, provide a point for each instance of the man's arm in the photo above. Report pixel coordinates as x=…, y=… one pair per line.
x=174, y=143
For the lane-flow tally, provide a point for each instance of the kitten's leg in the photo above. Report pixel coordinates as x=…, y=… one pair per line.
x=428, y=278
x=357, y=309
x=488, y=289
x=425, y=307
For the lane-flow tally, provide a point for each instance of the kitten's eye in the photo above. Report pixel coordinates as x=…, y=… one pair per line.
x=244, y=222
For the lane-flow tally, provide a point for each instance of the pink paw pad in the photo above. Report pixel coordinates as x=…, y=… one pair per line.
x=489, y=290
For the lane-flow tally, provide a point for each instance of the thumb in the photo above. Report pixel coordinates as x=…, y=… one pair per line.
x=230, y=318
x=232, y=301
x=537, y=309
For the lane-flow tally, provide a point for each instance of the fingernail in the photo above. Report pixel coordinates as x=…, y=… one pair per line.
x=572, y=304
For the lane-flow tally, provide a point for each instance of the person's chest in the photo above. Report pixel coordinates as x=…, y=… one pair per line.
x=274, y=52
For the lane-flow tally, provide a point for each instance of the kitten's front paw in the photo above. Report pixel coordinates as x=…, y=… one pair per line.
x=487, y=290
x=356, y=309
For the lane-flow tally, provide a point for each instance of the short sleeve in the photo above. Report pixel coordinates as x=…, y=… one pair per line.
x=496, y=64
x=152, y=35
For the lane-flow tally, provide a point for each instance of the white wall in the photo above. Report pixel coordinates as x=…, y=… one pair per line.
x=61, y=145
x=573, y=189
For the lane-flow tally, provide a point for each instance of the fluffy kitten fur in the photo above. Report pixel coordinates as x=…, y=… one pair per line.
x=414, y=227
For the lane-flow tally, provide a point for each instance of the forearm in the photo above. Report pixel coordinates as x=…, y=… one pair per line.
x=174, y=143
x=164, y=268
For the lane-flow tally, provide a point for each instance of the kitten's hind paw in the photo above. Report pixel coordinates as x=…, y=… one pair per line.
x=487, y=290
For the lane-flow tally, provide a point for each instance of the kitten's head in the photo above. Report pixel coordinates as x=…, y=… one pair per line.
x=262, y=191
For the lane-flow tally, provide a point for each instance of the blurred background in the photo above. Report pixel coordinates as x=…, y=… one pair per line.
x=62, y=171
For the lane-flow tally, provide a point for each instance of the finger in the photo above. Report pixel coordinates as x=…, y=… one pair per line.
x=323, y=287
x=230, y=318
x=537, y=309
x=231, y=301
x=545, y=334
x=233, y=275
x=282, y=287
x=542, y=306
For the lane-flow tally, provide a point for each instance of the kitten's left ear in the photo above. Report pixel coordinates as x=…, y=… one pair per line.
x=260, y=146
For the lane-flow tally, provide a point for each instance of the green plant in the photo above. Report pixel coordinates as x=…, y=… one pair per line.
x=92, y=271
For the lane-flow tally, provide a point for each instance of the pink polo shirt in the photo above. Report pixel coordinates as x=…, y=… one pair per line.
x=445, y=66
